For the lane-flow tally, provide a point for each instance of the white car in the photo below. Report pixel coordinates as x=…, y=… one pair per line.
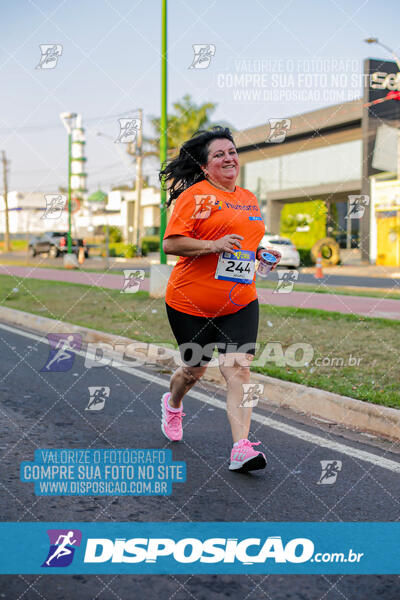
x=290, y=255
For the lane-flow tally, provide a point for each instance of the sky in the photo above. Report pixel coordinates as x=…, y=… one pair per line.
x=270, y=60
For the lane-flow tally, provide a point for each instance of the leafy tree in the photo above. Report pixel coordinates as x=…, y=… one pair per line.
x=114, y=233
x=131, y=188
x=183, y=123
x=187, y=118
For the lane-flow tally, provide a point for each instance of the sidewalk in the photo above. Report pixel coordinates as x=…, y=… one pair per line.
x=114, y=282
x=358, y=305
x=352, y=266
x=359, y=271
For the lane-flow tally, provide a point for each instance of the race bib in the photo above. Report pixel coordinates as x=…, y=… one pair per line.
x=236, y=266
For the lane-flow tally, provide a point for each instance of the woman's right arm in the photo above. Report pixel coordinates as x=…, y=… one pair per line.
x=181, y=245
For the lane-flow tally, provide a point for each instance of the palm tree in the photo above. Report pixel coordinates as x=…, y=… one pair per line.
x=188, y=118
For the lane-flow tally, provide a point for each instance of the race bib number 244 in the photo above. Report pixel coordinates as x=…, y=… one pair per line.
x=236, y=266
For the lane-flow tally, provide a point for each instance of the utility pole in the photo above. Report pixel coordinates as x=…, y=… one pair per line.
x=7, y=245
x=348, y=225
x=139, y=180
x=69, y=122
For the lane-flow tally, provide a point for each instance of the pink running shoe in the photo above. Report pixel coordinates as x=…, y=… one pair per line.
x=171, y=420
x=244, y=458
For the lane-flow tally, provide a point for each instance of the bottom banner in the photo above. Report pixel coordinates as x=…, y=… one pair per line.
x=201, y=547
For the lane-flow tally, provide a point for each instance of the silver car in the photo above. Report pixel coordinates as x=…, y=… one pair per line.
x=290, y=255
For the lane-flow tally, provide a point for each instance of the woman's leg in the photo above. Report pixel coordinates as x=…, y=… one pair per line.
x=235, y=369
x=187, y=329
x=182, y=381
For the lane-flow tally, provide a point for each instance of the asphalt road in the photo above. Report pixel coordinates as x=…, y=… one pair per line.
x=47, y=410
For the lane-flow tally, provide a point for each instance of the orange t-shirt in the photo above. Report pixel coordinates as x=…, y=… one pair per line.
x=205, y=212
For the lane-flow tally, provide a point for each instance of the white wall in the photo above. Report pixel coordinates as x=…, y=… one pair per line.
x=25, y=214
x=26, y=211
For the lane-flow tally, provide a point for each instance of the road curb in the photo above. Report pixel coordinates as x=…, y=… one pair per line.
x=353, y=414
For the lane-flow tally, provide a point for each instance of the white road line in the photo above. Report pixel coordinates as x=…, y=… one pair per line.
x=305, y=436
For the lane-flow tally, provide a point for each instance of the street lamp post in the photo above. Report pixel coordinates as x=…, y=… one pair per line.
x=373, y=40
x=159, y=274
x=163, y=126
x=139, y=181
x=139, y=154
x=68, y=120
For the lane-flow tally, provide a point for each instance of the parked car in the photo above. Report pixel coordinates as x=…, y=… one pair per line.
x=55, y=244
x=290, y=256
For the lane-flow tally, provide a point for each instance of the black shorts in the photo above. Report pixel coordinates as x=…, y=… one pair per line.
x=198, y=336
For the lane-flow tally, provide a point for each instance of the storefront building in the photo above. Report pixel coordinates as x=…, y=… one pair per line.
x=327, y=154
x=320, y=159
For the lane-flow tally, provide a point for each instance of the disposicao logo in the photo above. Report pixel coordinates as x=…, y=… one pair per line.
x=62, y=547
x=192, y=550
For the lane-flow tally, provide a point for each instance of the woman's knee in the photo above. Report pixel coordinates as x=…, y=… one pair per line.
x=192, y=374
x=236, y=370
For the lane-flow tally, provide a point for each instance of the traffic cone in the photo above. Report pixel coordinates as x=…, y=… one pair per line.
x=319, y=274
x=81, y=255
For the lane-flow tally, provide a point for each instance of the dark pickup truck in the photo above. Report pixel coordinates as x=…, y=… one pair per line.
x=54, y=243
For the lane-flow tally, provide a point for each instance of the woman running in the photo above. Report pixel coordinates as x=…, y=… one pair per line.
x=211, y=299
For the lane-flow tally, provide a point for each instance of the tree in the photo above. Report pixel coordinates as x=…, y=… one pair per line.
x=188, y=117
x=183, y=123
x=131, y=188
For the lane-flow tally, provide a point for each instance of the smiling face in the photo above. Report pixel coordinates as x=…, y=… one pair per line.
x=222, y=163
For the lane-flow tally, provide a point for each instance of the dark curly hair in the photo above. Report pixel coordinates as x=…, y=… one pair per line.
x=185, y=170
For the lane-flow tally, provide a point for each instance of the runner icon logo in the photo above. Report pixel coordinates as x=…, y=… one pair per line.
x=252, y=392
x=55, y=204
x=204, y=204
x=133, y=279
x=287, y=279
x=128, y=130
x=203, y=54
x=278, y=129
x=357, y=206
x=62, y=351
x=63, y=543
x=98, y=397
x=50, y=55
x=330, y=470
